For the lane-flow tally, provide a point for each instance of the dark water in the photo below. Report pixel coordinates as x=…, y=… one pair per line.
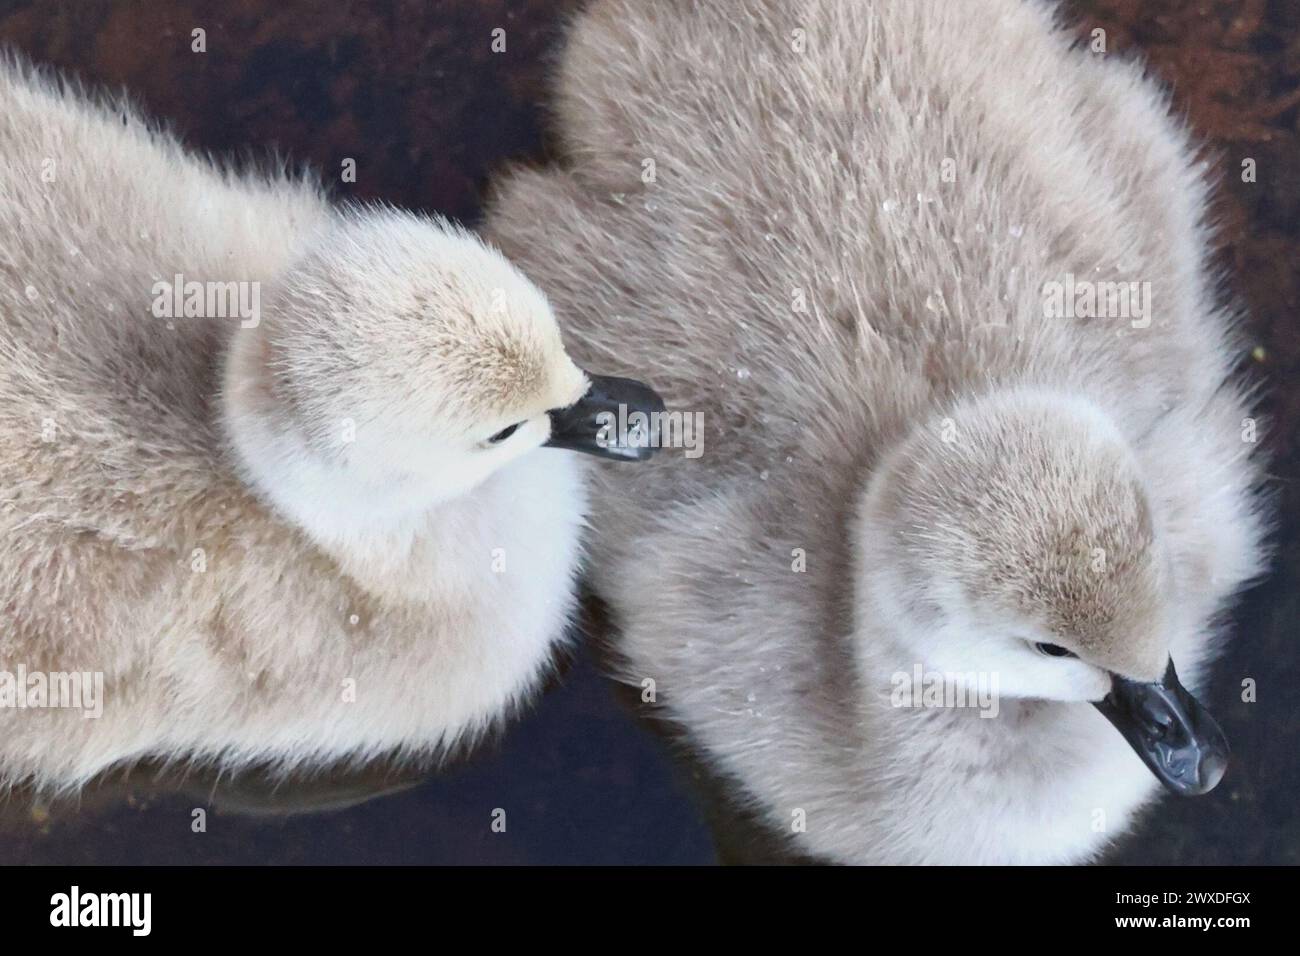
x=579, y=783
x=412, y=92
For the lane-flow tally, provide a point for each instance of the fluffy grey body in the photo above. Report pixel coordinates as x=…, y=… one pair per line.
x=884, y=394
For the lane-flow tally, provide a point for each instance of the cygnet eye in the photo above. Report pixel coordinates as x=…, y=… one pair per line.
x=505, y=433
x=1054, y=650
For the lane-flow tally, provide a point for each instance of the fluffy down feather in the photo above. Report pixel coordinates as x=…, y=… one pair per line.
x=799, y=269
x=166, y=516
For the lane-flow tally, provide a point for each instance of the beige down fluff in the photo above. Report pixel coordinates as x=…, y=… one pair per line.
x=284, y=540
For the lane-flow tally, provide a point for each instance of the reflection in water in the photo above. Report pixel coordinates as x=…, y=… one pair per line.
x=252, y=792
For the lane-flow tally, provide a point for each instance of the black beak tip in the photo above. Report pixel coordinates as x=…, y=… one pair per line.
x=1213, y=768
x=627, y=391
x=1193, y=768
x=1198, y=774
x=1171, y=731
x=616, y=419
x=616, y=452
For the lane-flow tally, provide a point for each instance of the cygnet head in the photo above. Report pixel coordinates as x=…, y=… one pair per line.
x=1012, y=536
x=398, y=364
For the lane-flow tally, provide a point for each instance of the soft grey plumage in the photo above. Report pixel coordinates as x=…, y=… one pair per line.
x=830, y=226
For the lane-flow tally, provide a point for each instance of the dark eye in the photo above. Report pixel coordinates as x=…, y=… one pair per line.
x=1054, y=650
x=503, y=434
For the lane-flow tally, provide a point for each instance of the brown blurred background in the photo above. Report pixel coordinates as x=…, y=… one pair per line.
x=414, y=94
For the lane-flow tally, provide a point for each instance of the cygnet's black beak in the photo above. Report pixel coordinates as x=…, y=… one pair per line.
x=618, y=418
x=1173, y=734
